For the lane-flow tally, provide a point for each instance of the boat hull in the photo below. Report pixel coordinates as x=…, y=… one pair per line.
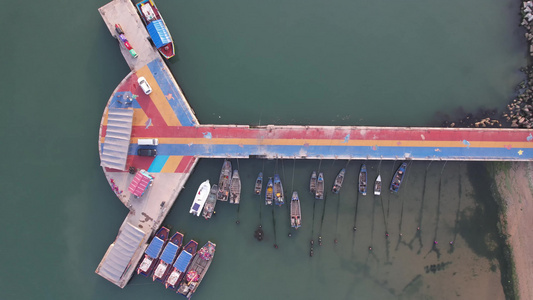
x=363, y=180
x=157, y=28
x=200, y=198
x=398, y=178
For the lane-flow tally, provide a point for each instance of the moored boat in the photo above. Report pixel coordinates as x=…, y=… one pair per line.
x=181, y=264
x=224, y=181
x=377, y=186
x=319, y=195
x=200, y=198
x=398, y=177
x=152, y=252
x=259, y=184
x=312, y=183
x=338, y=181
x=362, y=180
x=278, y=191
x=210, y=203
x=235, y=188
x=156, y=27
x=269, y=194
x=296, y=212
x=197, y=270
x=167, y=257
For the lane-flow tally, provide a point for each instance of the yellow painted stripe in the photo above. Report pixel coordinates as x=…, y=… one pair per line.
x=324, y=142
x=159, y=98
x=104, y=122
x=172, y=163
x=139, y=117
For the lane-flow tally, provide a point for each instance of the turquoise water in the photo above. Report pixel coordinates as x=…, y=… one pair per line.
x=334, y=63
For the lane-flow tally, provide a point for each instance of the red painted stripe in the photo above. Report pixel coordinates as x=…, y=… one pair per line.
x=104, y=130
x=140, y=162
x=185, y=164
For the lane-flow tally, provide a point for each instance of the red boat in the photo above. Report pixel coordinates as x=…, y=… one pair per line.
x=156, y=28
x=162, y=269
x=151, y=255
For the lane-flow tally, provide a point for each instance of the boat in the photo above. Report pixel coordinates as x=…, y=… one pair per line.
x=259, y=184
x=235, y=188
x=200, y=198
x=319, y=195
x=377, y=186
x=338, y=181
x=181, y=264
x=224, y=181
x=296, y=212
x=156, y=27
x=312, y=183
x=269, y=194
x=362, y=180
x=152, y=252
x=210, y=203
x=278, y=191
x=197, y=270
x=398, y=177
x=163, y=268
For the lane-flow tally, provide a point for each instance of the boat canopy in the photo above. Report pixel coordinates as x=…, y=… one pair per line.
x=183, y=261
x=159, y=33
x=169, y=253
x=140, y=182
x=154, y=249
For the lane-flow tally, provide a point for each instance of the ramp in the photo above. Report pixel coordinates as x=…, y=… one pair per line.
x=117, y=138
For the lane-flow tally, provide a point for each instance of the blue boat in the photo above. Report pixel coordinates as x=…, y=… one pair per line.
x=278, y=191
x=398, y=177
x=269, y=194
x=181, y=264
x=362, y=180
x=167, y=257
x=259, y=184
x=156, y=27
x=153, y=251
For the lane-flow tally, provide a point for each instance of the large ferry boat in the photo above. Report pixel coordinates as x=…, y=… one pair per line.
x=197, y=270
x=181, y=264
x=167, y=257
x=156, y=27
x=151, y=255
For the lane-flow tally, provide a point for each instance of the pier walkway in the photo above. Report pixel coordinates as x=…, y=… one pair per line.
x=166, y=115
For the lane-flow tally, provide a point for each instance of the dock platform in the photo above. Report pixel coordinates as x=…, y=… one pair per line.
x=166, y=115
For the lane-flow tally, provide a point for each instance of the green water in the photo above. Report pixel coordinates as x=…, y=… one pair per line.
x=283, y=62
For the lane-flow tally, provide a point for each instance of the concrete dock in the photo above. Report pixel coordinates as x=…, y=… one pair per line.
x=165, y=114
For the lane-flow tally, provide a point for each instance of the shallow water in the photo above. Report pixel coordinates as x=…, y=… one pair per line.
x=380, y=63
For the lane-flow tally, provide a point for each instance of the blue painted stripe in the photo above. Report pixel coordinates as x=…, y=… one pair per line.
x=354, y=151
x=178, y=104
x=158, y=163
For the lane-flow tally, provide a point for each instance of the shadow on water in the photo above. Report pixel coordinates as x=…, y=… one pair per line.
x=434, y=248
x=420, y=214
x=479, y=226
x=457, y=214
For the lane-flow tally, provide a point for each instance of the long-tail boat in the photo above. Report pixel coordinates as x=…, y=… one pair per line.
x=210, y=203
x=259, y=184
x=224, y=181
x=312, y=183
x=279, y=198
x=319, y=195
x=398, y=177
x=362, y=180
x=197, y=270
x=269, y=194
x=296, y=212
x=338, y=181
x=235, y=188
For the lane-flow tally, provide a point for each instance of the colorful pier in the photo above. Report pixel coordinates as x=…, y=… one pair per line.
x=166, y=115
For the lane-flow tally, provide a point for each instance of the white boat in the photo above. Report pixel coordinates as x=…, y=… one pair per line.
x=377, y=186
x=201, y=197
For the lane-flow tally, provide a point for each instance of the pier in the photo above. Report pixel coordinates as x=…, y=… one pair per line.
x=166, y=115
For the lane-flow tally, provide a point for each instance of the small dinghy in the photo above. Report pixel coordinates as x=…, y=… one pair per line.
x=377, y=186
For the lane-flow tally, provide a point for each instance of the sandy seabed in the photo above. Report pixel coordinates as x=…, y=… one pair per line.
x=515, y=187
